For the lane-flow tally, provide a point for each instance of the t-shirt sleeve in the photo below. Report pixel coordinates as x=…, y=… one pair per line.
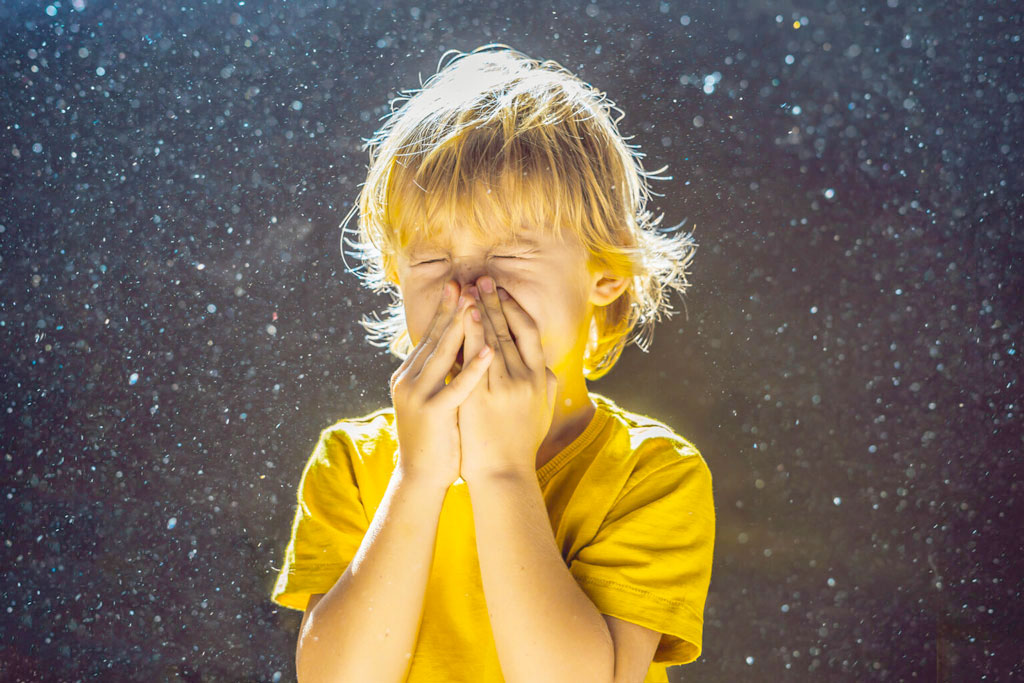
x=329, y=525
x=650, y=561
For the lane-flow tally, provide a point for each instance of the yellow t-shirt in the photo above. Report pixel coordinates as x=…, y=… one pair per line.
x=631, y=509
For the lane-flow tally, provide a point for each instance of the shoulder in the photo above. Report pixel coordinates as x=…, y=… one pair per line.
x=650, y=458
x=357, y=438
x=647, y=439
x=371, y=425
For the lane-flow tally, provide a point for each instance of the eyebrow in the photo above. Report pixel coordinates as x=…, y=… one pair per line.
x=521, y=242
x=428, y=247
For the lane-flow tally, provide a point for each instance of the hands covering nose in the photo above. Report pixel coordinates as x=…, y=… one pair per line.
x=506, y=416
x=426, y=407
x=491, y=418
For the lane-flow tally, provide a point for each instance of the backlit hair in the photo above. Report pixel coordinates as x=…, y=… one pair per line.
x=495, y=140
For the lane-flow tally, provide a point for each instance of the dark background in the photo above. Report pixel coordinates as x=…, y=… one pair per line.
x=178, y=325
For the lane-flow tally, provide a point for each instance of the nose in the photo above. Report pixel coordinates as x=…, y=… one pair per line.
x=466, y=274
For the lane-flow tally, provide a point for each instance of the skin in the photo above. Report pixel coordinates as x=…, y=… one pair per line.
x=535, y=382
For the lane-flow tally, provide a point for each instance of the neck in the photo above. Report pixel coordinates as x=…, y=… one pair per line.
x=573, y=412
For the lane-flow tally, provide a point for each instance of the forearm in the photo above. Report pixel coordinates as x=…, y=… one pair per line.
x=365, y=627
x=545, y=627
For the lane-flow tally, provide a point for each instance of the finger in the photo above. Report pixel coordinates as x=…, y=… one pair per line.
x=525, y=330
x=474, y=334
x=497, y=326
x=440, y=361
x=471, y=377
x=442, y=318
x=499, y=368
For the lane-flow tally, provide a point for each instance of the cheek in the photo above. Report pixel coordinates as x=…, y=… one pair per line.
x=419, y=311
x=415, y=324
x=521, y=285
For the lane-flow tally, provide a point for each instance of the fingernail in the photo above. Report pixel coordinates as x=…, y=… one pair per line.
x=447, y=294
x=472, y=291
x=487, y=284
x=475, y=313
x=502, y=294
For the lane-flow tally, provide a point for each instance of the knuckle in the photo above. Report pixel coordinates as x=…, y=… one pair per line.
x=400, y=381
x=404, y=393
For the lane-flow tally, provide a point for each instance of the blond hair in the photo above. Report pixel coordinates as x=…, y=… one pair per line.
x=495, y=140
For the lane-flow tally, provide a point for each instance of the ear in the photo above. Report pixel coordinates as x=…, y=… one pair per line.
x=605, y=287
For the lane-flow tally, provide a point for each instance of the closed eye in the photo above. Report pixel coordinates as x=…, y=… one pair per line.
x=441, y=260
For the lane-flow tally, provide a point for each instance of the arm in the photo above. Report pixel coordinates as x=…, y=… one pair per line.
x=545, y=627
x=365, y=627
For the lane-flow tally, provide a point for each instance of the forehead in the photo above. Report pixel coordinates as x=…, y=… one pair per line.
x=448, y=239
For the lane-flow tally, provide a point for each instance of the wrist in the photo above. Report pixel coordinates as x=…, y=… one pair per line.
x=420, y=478
x=499, y=476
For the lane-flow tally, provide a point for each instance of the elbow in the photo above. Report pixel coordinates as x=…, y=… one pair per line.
x=304, y=672
x=607, y=673
x=309, y=668
x=312, y=663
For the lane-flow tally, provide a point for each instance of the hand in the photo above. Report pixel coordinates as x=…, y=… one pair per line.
x=507, y=415
x=425, y=407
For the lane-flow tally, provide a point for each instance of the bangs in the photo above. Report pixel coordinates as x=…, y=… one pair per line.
x=497, y=189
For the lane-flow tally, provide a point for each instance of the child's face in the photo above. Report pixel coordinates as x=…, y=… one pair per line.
x=549, y=279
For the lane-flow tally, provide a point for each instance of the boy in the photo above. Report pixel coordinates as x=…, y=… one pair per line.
x=500, y=522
